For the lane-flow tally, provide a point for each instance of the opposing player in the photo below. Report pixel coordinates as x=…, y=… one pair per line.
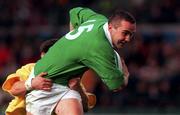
x=15, y=85
x=90, y=45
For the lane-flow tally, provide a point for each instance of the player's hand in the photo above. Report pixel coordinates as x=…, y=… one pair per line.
x=41, y=83
x=125, y=71
x=126, y=76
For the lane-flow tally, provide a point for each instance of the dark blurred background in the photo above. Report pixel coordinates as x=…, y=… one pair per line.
x=152, y=57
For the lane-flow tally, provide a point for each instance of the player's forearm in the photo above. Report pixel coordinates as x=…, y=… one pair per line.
x=18, y=88
x=126, y=75
x=125, y=83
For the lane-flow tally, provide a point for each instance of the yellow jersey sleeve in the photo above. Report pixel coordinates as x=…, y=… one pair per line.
x=20, y=75
x=17, y=105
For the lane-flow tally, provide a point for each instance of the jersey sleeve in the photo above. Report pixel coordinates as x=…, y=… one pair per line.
x=20, y=75
x=24, y=71
x=80, y=15
x=103, y=63
x=8, y=83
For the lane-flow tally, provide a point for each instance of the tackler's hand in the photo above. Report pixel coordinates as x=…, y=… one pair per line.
x=41, y=83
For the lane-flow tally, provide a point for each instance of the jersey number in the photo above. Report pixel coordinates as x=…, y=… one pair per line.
x=80, y=30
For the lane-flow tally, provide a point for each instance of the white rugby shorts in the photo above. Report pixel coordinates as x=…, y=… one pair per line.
x=39, y=102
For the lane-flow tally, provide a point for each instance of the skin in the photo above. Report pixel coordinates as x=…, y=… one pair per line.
x=41, y=83
x=38, y=83
x=90, y=80
x=121, y=33
x=73, y=105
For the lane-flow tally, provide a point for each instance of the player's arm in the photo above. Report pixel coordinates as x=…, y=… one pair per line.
x=38, y=83
x=103, y=63
x=126, y=75
x=16, y=86
x=80, y=15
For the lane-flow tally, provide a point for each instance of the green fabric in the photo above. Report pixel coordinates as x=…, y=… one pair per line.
x=83, y=48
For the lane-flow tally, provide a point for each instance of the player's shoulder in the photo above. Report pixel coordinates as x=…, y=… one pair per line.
x=26, y=68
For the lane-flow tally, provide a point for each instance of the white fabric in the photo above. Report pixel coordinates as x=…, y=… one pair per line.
x=28, y=84
x=119, y=60
x=107, y=33
x=39, y=102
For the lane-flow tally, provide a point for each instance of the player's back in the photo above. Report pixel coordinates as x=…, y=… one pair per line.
x=65, y=58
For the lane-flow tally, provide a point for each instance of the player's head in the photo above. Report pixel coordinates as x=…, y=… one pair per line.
x=46, y=45
x=122, y=26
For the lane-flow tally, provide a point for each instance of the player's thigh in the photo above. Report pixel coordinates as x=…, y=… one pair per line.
x=27, y=113
x=69, y=106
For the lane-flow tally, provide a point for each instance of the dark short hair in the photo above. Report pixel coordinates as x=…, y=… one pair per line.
x=47, y=44
x=121, y=15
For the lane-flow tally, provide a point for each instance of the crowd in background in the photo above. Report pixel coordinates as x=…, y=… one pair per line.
x=153, y=57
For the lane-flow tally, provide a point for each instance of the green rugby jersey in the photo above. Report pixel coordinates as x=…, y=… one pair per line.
x=85, y=47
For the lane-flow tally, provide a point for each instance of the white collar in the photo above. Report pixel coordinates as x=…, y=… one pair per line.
x=108, y=36
x=107, y=33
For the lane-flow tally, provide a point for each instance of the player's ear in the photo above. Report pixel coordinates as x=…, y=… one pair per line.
x=110, y=26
